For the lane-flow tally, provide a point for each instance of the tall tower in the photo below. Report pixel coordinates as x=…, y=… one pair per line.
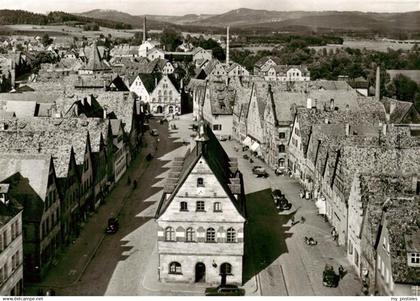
x=144, y=29
x=378, y=84
x=227, y=47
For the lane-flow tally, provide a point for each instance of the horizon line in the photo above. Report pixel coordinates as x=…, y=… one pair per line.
x=215, y=14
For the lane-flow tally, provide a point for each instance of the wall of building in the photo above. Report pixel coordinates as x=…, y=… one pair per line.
x=12, y=282
x=212, y=263
x=189, y=253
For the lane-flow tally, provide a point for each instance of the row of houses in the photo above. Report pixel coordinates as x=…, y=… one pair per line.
x=271, y=68
x=364, y=178
x=60, y=167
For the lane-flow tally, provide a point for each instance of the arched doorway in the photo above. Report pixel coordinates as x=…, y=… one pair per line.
x=159, y=109
x=200, y=272
x=225, y=269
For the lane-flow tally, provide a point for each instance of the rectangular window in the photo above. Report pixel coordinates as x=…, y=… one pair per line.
x=200, y=206
x=217, y=127
x=415, y=258
x=282, y=135
x=4, y=239
x=184, y=206
x=217, y=207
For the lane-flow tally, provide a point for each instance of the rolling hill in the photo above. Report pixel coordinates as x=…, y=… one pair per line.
x=11, y=17
x=276, y=20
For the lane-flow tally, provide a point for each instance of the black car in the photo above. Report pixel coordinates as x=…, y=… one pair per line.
x=226, y=290
x=283, y=204
x=276, y=193
x=260, y=172
x=113, y=225
x=329, y=277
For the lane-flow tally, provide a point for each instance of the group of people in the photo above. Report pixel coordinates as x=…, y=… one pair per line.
x=334, y=234
x=304, y=194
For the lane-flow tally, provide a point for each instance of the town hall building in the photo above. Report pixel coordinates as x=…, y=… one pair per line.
x=201, y=216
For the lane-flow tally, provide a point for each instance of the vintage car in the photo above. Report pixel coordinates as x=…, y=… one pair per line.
x=329, y=277
x=260, y=172
x=225, y=290
x=113, y=225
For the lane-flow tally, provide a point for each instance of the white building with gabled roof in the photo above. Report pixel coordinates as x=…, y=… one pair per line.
x=201, y=217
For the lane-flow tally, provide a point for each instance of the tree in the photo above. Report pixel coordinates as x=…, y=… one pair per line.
x=405, y=88
x=171, y=39
x=219, y=53
x=46, y=40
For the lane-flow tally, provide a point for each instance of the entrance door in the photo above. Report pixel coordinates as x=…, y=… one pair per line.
x=200, y=272
x=159, y=110
x=225, y=269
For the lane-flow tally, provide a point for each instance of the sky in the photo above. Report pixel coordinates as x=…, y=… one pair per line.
x=182, y=7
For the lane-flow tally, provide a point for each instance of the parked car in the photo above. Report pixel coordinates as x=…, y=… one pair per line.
x=154, y=132
x=226, y=290
x=113, y=225
x=329, y=277
x=260, y=172
x=283, y=204
x=245, y=156
x=276, y=193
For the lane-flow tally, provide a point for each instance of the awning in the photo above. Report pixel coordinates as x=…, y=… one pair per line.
x=247, y=141
x=321, y=205
x=255, y=146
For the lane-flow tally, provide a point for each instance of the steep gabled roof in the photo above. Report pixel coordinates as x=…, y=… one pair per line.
x=95, y=62
x=220, y=164
x=35, y=168
x=150, y=81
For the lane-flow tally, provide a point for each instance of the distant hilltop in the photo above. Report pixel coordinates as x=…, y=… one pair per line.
x=240, y=19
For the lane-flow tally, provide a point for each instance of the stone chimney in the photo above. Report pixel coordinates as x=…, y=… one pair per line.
x=12, y=74
x=378, y=84
x=105, y=112
x=309, y=103
x=227, y=47
x=347, y=129
x=144, y=29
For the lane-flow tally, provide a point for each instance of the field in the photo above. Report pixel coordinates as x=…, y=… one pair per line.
x=377, y=45
x=63, y=30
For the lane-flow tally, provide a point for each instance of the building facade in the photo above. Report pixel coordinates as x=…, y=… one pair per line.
x=200, y=219
x=11, y=247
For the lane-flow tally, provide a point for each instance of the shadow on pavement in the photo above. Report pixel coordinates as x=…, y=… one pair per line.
x=265, y=233
x=116, y=247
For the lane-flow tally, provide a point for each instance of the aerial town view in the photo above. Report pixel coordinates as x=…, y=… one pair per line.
x=210, y=148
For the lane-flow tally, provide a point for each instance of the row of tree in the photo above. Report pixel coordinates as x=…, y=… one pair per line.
x=24, y=17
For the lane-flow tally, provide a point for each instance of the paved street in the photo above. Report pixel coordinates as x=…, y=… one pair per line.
x=277, y=261
x=286, y=265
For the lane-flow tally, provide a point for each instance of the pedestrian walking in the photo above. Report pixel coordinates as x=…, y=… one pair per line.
x=341, y=271
x=301, y=193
